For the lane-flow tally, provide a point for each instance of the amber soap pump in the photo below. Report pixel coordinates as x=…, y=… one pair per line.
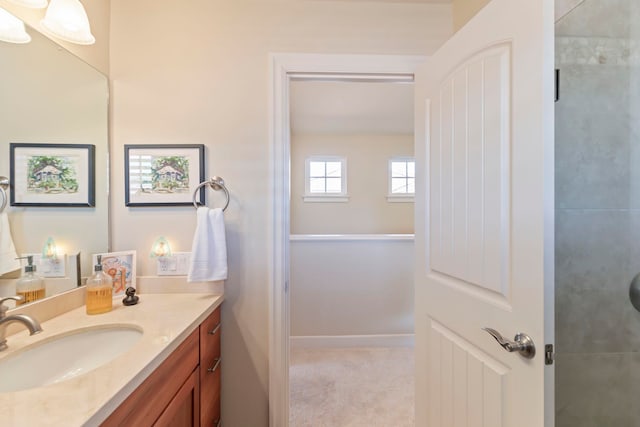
x=99, y=290
x=30, y=286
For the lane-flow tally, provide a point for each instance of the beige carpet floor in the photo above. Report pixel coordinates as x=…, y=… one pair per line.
x=352, y=387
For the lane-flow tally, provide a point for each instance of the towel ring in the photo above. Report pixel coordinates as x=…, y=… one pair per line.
x=4, y=185
x=216, y=183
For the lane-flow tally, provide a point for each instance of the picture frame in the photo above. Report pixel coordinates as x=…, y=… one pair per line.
x=121, y=266
x=163, y=175
x=52, y=175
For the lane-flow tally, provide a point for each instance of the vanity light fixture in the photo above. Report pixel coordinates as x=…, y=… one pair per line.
x=67, y=20
x=31, y=4
x=50, y=250
x=160, y=248
x=12, y=29
x=52, y=260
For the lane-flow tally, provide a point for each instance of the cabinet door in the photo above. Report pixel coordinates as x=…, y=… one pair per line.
x=150, y=400
x=184, y=408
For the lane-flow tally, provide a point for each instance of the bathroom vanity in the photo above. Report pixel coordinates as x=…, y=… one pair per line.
x=169, y=376
x=184, y=390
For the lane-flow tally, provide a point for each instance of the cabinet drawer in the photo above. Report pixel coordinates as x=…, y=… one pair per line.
x=210, y=395
x=210, y=339
x=215, y=414
x=210, y=370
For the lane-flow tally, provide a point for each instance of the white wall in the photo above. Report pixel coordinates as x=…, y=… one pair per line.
x=464, y=10
x=198, y=72
x=367, y=210
x=351, y=287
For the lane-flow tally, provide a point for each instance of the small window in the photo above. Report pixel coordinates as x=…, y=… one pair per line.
x=326, y=179
x=402, y=179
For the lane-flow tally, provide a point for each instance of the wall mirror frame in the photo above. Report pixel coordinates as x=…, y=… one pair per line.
x=50, y=96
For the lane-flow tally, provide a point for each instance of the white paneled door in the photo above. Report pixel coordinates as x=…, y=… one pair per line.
x=484, y=220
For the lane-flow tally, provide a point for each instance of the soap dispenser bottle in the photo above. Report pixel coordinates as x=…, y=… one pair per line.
x=99, y=290
x=30, y=286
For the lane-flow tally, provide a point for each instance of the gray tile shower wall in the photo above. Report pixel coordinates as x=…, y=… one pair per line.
x=592, y=138
x=592, y=276
x=594, y=390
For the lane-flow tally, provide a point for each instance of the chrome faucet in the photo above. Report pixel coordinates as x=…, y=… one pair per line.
x=32, y=324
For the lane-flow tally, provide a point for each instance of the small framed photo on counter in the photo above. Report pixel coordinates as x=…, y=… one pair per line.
x=61, y=175
x=163, y=175
x=121, y=266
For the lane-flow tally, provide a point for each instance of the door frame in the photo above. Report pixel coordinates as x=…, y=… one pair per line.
x=281, y=67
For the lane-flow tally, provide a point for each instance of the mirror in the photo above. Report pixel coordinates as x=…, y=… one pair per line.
x=49, y=96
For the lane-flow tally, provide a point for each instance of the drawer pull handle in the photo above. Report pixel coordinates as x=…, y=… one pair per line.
x=215, y=330
x=218, y=360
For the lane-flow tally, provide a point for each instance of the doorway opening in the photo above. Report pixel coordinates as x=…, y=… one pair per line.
x=351, y=250
x=288, y=69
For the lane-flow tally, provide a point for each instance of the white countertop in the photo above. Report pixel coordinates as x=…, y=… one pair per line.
x=166, y=320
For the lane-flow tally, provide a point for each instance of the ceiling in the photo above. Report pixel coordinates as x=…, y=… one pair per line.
x=351, y=107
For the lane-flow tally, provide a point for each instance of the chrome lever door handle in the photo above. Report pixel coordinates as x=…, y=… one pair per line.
x=522, y=343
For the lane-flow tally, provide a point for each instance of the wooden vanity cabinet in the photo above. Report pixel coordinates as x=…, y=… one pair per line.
x=184, y=391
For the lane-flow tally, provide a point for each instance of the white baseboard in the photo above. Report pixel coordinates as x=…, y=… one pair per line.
x=346, y=341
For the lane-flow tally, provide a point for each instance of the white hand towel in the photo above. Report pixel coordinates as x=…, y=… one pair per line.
x=209, y=250
x=8, y=261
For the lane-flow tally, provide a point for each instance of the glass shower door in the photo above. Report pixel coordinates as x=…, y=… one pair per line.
x=597, y=214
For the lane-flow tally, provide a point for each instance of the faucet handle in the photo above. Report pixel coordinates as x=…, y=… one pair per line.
x=3, y=308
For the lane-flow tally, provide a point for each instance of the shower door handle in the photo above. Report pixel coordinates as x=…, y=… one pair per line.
x=522, y=343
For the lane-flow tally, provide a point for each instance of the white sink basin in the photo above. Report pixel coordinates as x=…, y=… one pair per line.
x=65, y=356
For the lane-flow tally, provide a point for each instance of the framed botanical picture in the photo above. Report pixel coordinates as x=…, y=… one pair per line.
x=52, y=174
x=163, y=175
x=121, y=266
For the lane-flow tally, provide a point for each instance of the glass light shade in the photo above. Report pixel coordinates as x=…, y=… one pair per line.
x=67, y=20
x=33, y=4
x=160, y=248
x=49, y=250
x=12, y=29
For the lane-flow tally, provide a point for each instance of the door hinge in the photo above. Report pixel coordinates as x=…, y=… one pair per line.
x=557, y=88
x=548, y=354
